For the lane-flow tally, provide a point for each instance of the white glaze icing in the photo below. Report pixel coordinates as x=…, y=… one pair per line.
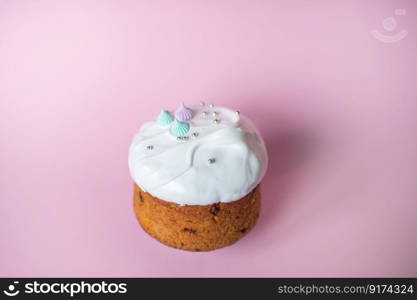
x=181, y=171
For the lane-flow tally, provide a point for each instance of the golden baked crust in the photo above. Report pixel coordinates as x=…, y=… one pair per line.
x=197, y=227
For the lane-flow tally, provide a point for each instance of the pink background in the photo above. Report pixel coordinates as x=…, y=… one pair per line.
x=336, y=107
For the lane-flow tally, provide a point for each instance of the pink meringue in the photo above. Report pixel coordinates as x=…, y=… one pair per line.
x=183, y=113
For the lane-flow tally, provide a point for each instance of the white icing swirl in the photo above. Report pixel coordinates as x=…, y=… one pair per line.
x=222, y=162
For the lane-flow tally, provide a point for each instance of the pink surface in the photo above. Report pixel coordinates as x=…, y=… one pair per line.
x=337, y=109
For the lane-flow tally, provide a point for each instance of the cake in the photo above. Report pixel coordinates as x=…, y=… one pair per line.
x=197, y=174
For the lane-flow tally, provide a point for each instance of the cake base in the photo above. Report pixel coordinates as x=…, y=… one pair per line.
x=197, y=227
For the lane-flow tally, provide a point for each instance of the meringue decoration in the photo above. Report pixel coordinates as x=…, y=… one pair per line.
x=183, y=113
x=165, y=117
x=179, y=128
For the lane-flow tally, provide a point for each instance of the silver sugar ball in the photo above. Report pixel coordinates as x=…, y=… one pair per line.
x=216, y=121
x=211, y=160
x=237, y=112
x=195, y=134
x=182, y=138
x=211, y=105
x=215, y=113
